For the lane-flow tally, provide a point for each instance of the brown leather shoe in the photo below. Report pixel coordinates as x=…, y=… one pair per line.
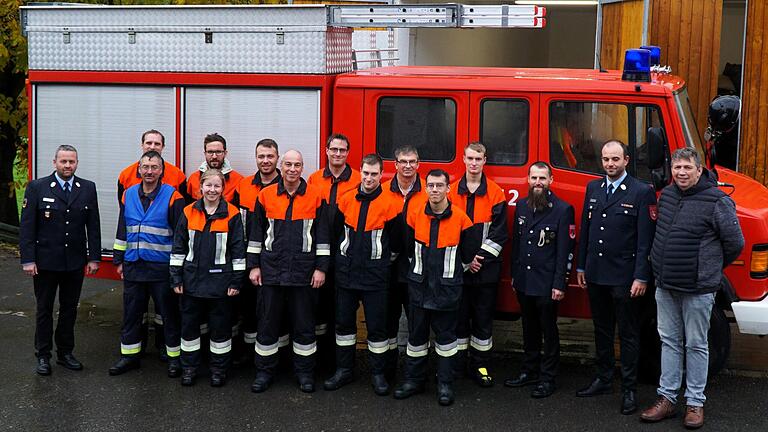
x=661, y=409
x=694, y=417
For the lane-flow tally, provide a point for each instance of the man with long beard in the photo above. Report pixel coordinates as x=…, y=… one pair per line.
x=542, y=250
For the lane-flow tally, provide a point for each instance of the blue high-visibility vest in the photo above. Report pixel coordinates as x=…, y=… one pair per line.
x=148, y=234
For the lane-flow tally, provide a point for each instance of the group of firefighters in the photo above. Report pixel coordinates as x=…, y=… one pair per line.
x=273, y=259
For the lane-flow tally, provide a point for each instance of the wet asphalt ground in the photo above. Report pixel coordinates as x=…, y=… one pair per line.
x=146, y=400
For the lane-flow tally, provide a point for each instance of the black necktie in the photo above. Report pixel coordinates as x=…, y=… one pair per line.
x=66, y=190
x=610, y=190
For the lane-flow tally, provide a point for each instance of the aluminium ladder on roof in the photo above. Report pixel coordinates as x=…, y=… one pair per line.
x=306, y=39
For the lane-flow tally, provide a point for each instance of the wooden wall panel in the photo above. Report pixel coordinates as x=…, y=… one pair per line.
x=753, y=157
x=688, y=32
x=622, y=29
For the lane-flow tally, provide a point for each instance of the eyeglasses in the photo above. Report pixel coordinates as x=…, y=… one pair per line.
x=408, y=162
x=337, y=150
x=215, y=152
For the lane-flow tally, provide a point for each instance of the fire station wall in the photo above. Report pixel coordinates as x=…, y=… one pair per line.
x=568, y=40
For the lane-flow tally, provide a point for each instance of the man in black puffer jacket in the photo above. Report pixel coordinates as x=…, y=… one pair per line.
x=697, y=235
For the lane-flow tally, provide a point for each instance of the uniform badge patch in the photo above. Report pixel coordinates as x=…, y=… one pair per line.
x=627, y=205
x=572, y=231
x=653, y=211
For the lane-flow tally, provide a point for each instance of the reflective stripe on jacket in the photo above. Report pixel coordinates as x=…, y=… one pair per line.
x=148, y=235
x=208, y=251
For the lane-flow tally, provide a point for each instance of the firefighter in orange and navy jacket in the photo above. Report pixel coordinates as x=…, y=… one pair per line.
x=153, y=140
x=483, y=201
x=207, y=267
x=436, y=234
x=215, y=152
x=288, y=254
x=370, y=237
x=267, y=155
x=149, y=212
x=336, y=179
x=406, y=186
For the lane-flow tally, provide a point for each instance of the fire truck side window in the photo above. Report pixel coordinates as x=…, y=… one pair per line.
x=504, y=130
x=429, y=124
x=645, y=117
x=577, y=131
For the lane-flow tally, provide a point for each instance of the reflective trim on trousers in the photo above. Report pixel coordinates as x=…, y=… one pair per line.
x=393, y=343
x=266, y=350
x=284, y=340
x=380, y=347
x=346, y=340
x=254, y=247
x=130, y=349
x=447, y=350
x=238, y=264
x=204, y=328
x=304, y=350
x=249, y=338
x=177, y=260
x=417, y=351
x=190, y=346
x=321, y=329
x=463, y=343
x=221, y=347
x=173, y=351
x=481, y=344
x=235, y=330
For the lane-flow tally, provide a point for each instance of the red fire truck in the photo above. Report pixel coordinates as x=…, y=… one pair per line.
x=99, y=76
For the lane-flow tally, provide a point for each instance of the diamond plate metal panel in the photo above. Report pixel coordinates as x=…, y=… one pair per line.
x=187, y=52
x=339, y=50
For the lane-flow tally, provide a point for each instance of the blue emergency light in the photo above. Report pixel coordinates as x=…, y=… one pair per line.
x=655, y=54
x=637, y=65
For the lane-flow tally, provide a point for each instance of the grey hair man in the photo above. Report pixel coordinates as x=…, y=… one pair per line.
x=697, y=235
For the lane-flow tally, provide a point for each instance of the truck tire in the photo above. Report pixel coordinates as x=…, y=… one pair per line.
x=719, y=338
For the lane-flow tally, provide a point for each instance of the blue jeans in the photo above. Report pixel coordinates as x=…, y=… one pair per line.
x=683, y=323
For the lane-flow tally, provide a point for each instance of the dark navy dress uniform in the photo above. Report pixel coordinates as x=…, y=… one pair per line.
x=60, y=232
x=615, y=240
x=542, y=250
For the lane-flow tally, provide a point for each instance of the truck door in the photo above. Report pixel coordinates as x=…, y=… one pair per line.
x=507, y=123
x=104, y=123
x=575, y=128
x=434, y=122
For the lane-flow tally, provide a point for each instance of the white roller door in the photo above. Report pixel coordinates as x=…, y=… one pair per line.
x=243, y=116
x=105, y=124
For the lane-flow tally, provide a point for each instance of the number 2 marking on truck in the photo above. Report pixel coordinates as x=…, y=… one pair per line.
x=514, y=195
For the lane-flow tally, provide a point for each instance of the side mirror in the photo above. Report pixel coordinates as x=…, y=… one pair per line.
x=656, y=148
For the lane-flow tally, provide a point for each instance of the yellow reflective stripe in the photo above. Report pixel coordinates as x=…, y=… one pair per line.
x=463, y=343
x=480, y=344
x=254, y=247
x=378, y=347
x=284, y=340
x=120, y=245
x=266, y=350
x=129, y=349
x=190, y=345
x=447, y=350
x=417, y=351
x=238, y=264
x=221, y=347
x=323, y=249
x=321, y=329
x=177, y=260
x=393, y=343
x=173, y=351
x=249, y=338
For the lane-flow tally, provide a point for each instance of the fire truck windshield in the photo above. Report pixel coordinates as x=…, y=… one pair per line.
x=690, y=131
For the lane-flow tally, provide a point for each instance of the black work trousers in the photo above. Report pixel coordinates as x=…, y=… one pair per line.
x=375, y=309
x=443, y=324
x=540, y=319
x=612, y=305
x=396, y=305
x=69, y=285
x=475, y=325
x=218, y=313
x=300, y=303
x=135, y=303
